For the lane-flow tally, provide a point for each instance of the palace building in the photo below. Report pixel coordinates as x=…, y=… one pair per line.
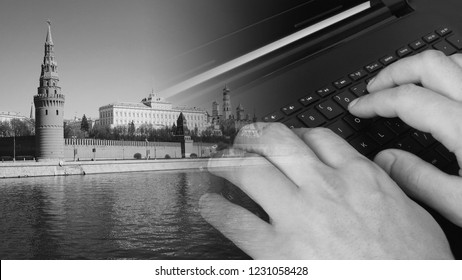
x=152, y=110
x=6, y=116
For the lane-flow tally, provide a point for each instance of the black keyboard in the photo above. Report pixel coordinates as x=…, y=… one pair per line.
x=327, y=107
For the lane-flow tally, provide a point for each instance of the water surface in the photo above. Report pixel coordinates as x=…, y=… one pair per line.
x=145, y=215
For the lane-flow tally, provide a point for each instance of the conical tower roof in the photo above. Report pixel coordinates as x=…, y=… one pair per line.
x=49, y=39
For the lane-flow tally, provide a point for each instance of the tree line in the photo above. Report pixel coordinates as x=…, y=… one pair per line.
x=144, y=132
x=17, y=127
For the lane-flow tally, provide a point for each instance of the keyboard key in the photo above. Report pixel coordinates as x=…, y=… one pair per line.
x=442, y=150
x=408, y=144
x=291, y=108
x=389, y=59
x=311, y=118
x=358, y=75
x=273, y=117
x=417, y=44
x=456, y=41
x=364, y=144
x=423, y=49
x=373, y=67
x=357, y=123
x=325, y=91
x=344, y=99
x=380, y=133
x=359, y=89
x=453, y=169
x=429, y=38
x=293, y=123
x=329, y=109
x=342, y=83
x=425, y=139
x=309, y=99
x=443, y=31
x=445, y=47
x=436, y=159
x=404, y=51
x=397, y=125
x=342, y=129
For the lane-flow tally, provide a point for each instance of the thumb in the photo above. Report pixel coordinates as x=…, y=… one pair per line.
x=424, y=182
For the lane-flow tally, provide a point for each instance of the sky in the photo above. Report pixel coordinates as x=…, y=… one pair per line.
x=107, y=50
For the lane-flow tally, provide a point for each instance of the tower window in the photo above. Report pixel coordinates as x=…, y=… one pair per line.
x=57, y=112
x=46, y=112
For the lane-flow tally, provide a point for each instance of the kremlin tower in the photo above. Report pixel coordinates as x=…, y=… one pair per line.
x=49, y=108
x=227, y=111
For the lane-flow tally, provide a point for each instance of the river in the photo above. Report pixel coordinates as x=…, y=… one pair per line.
x=143, y=215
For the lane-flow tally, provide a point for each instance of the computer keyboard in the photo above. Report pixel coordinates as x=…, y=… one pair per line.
x=327, y=107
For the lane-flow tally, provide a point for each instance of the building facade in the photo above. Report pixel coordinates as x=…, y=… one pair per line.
x=49, y=108
x=151, y=111
x=6, y=116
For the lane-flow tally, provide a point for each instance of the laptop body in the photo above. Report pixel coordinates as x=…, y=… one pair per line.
x=319, y=65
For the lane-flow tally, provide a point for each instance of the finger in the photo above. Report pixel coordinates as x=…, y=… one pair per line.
x=247, y=231
x=328, y=147
x=419, y=108
x=259, y=179
x=457, y=58
x=424, y=182
x=282, y=148
x=432, y=69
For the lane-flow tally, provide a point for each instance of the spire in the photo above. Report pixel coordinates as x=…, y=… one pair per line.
x=49, y=73
x=32, y=110
x=49, y=40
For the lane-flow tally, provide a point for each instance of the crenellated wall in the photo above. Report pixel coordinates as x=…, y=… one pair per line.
x=104, y=149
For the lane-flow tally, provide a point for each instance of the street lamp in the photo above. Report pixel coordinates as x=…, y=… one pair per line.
x=94, y=148
x=146, y=139
x=14, y=145
x=155, y=151
x=73, y=141
x=14, y=142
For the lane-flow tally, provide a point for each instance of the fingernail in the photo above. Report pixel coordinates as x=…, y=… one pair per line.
x=353, y=103
x=371, y=81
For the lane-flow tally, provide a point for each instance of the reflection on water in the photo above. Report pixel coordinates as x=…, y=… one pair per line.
x=147, y=215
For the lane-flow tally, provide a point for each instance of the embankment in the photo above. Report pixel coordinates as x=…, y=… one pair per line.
x=38, y=169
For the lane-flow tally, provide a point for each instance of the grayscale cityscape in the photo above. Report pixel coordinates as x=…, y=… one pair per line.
x=230, y=130
x=79, y=125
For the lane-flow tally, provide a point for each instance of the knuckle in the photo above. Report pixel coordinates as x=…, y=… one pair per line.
x=272, y=128
x=318, y=134
x=321, y=131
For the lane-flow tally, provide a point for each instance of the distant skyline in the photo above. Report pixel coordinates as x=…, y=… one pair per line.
x=107, y=51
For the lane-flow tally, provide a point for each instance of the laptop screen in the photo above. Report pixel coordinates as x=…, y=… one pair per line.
x=243, y=26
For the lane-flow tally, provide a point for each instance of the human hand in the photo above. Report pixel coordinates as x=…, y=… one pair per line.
x=324, y=200
x=436, y=108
